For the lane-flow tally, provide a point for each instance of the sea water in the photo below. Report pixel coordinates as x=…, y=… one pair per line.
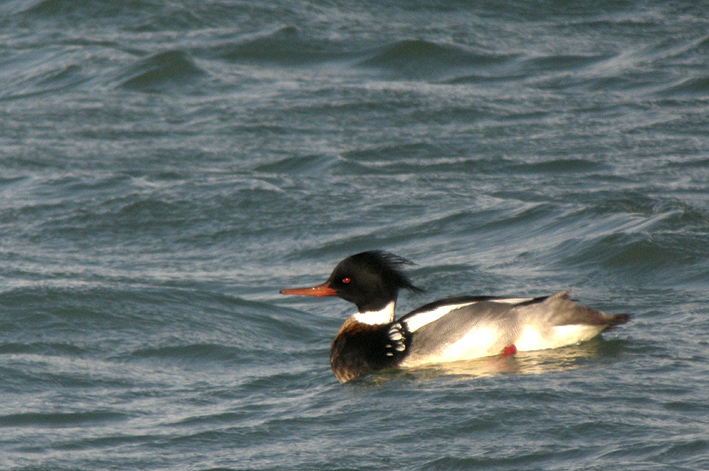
x=167, y=167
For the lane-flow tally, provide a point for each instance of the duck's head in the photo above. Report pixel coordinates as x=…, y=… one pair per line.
x=370, y=280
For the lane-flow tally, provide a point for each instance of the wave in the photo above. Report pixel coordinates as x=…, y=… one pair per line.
x=47, y=7
x=77, y=320
x=30, y=73
x=286, y=46
x=81, y=10
x=425, y=59
x=561, y=165
x=635, y=238
x=696, y=86
x=61, y=419
x=299, y=164
x=564, y=62
x=161, y=70
x=191, y=351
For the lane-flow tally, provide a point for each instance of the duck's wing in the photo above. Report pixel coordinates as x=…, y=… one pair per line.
x=473, y=326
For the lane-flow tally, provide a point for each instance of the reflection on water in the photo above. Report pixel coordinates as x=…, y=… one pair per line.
x=537, y=362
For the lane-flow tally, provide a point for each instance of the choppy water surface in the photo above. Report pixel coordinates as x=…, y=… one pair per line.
x=166, y=168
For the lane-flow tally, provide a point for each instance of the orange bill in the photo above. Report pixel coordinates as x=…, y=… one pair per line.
x=320, y=290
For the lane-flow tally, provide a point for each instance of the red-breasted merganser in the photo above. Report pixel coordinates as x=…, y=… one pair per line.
x=452, y=329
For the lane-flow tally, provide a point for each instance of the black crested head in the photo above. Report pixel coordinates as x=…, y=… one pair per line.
x=370, y=280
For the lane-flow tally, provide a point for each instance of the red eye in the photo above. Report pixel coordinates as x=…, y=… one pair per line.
x=346, y=280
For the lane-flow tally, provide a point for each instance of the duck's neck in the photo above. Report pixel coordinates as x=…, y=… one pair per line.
x=382, y=316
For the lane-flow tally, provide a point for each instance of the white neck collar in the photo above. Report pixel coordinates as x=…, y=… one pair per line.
x=383, y=316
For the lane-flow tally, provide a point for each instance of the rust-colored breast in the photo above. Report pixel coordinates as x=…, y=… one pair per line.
x=362, y=348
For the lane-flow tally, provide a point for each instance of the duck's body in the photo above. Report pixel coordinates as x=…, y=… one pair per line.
x=452, y=329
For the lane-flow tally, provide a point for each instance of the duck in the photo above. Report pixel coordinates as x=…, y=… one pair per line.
x=447, y=330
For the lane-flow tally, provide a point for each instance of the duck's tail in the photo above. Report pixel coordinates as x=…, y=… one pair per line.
x=616, y=320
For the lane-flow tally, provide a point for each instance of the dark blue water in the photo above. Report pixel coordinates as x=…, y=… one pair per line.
x=167, y=167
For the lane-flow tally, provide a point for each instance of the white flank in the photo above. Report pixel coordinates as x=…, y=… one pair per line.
x=385, y=316
x=419, y=320
x=475, y=344
x=532, y=339
x=575, y=333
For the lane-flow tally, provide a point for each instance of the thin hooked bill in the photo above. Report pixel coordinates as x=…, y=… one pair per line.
x=320, y=290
